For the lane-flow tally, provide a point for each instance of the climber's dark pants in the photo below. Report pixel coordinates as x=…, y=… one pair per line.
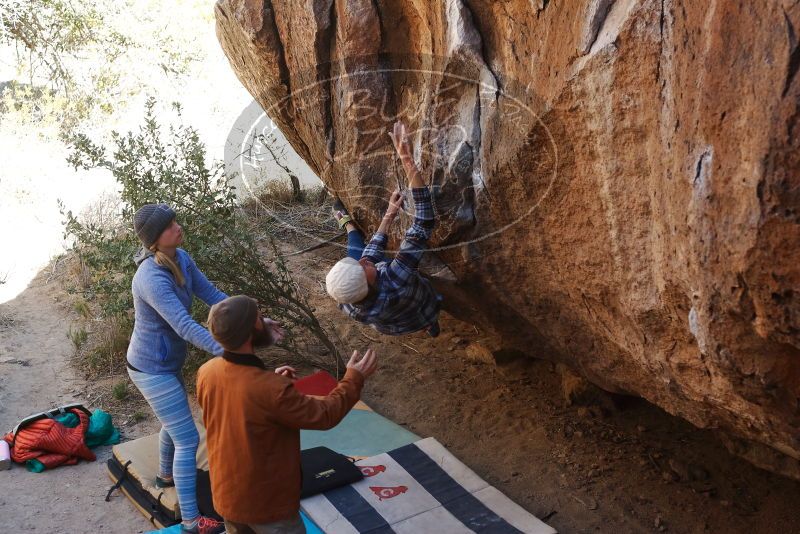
x=355, y=244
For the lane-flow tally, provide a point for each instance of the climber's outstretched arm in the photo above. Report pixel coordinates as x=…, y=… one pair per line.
x=415, y=243
x=416, y=239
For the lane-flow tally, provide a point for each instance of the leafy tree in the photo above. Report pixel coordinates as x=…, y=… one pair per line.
x=79, y=62
x=153, y=165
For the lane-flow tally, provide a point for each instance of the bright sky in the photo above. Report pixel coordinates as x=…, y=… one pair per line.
x=34, y=173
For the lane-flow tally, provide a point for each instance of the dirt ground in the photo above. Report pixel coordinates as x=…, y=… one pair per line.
x=614, y=465
x=36, y=375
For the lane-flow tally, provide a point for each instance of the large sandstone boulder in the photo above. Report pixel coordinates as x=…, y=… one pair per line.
x=618, y=182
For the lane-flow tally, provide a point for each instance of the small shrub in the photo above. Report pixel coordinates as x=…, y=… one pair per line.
x=283, y=192
x=82, y=308
x=280, y=191
x=78, y=275
x=78, y=337
x=120, y=391
x=138, y=416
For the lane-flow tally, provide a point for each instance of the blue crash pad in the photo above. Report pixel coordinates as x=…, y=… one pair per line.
x=311, y=528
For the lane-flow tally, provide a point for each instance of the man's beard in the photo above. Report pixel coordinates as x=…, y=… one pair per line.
x=262, y=338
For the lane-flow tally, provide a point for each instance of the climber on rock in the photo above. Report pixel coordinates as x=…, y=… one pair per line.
x=391, y=296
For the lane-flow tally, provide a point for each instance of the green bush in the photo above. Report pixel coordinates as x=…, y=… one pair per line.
x=153, y=165
x=75, y=64
x=82, y=308
x=138, y=416
x=120, y=391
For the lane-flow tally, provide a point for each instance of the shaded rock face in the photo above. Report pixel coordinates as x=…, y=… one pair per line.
x=617, y=181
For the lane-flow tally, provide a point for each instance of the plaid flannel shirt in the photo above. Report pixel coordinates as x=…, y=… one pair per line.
x=405, y=301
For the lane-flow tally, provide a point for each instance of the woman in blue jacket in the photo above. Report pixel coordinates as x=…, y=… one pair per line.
x=163, y=287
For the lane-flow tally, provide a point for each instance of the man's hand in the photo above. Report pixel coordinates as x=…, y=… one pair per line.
x=395, y=204
x=403, y=147
x=287, y=371
x=401, y=143
x=366, y=365
x=275, y=330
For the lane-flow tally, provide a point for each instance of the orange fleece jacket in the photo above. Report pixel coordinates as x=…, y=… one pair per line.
x=253, y=419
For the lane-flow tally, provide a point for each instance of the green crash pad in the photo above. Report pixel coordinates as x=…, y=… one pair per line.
x=361, y=433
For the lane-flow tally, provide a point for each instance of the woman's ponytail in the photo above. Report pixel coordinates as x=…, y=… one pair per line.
x=165, y=261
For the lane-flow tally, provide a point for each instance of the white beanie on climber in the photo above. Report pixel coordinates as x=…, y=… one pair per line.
x=346, y=281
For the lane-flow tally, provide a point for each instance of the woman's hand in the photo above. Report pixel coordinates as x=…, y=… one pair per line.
x=287, y=371
x=276, y=332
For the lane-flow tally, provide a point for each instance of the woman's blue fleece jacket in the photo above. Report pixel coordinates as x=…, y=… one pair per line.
x=162, y=322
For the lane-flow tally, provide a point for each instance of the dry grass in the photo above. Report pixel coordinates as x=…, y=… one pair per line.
x=274, y=211
x=279, y=193
x=82, y=308
x=78, y=336
x=102, y=352
x=6, y=320
x=77, y=273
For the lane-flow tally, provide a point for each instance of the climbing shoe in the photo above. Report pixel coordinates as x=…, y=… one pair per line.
x=204, y=525
x=164, y=482
x=340, y=213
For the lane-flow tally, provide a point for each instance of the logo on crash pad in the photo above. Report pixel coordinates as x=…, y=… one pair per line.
x=371, y=470
x=388, y=493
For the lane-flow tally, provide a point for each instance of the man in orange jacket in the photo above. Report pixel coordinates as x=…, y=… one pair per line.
x=253, y=418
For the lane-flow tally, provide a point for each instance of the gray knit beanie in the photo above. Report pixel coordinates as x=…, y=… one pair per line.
x=150, y=220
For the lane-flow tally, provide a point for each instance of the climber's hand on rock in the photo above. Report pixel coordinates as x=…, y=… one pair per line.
x=395, y=205
x=403, y=147
x=401, y=143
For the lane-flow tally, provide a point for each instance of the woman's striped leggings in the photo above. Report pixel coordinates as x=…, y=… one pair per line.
x=178, y=438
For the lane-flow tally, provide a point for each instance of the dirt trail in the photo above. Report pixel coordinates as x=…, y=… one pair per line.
x=33, y=335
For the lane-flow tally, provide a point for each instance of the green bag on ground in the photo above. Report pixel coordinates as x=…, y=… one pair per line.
x=34, y=466
x=69, y=419
x=101, y=431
